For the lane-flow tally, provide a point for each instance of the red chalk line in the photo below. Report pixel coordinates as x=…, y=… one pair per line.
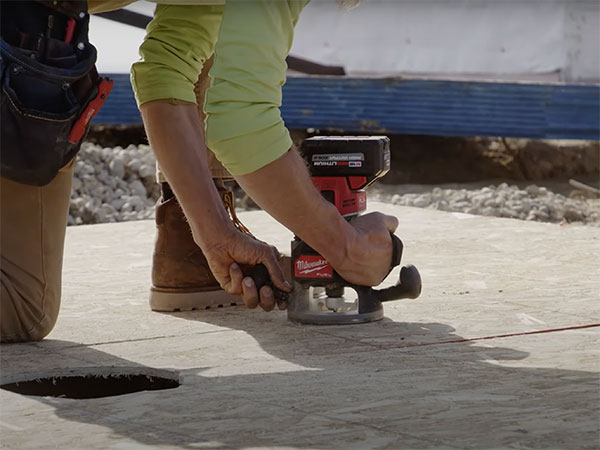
x=499, y=336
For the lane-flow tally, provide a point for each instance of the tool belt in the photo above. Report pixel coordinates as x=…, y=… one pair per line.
x=50, y=89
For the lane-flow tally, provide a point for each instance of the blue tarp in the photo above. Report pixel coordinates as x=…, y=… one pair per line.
x=423, y=107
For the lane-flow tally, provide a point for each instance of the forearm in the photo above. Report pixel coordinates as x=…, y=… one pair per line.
x=284, y=189
x=176, y=136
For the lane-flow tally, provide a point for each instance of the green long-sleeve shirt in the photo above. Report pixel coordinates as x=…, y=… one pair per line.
x=250, y=39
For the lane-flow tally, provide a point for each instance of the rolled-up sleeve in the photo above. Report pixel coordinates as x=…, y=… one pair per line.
x=244, y=127
x=178, y=41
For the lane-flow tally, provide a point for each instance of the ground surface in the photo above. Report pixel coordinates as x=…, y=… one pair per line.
x=500, y=351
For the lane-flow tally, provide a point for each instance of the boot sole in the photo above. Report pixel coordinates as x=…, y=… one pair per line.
x=168, y=301
x=172, y=300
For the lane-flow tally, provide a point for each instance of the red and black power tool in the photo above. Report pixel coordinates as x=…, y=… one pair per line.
x=341, y=168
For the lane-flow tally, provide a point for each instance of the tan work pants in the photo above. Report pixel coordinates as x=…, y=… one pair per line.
x=33, y=221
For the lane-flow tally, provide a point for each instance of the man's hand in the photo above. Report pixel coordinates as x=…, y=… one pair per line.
x=225, y=259
x=369, y=253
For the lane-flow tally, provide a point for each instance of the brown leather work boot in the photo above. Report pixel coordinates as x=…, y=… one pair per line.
x=181, y=277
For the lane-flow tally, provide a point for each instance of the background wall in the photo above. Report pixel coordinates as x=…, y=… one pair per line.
x=548, y=39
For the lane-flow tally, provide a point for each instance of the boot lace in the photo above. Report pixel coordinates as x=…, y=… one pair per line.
x=227, y=197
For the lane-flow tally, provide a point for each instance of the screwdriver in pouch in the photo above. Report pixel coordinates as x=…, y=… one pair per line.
x=48, y=36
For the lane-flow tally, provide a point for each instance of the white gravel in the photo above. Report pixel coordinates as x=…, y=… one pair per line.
x=116, y=185
x=502, y=200
x=113, y=185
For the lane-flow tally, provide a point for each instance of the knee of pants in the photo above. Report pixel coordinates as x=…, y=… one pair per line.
x=33, y=223
x=41, y=329
x=27, y=315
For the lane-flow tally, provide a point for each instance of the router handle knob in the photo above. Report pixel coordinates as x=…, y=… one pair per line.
x=408, y=286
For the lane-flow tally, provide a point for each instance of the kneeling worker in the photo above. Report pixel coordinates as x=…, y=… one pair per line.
x=244, y=130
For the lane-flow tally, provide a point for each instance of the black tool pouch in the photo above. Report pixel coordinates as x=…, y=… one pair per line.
x=49, y=90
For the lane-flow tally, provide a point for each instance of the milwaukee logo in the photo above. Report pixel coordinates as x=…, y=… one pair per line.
x=306, y=266
x=312, y=266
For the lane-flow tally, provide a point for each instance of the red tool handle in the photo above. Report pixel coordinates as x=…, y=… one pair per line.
x=90, y=111
x=70, y=30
